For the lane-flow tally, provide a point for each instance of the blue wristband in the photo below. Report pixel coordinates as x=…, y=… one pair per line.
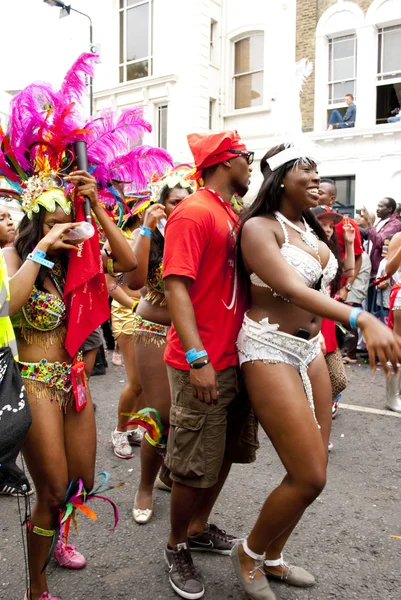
x=39, y=257
x=145, y=231
x=193, y=355
x=353, y=317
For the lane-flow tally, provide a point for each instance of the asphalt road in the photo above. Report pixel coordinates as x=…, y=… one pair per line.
x=345, y=538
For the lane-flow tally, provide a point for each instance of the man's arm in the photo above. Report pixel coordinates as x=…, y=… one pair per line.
x=204, y=380
x=350, y=114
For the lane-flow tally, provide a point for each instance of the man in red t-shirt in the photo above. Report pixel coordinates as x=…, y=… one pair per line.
x=211, y=423
x=327, y=197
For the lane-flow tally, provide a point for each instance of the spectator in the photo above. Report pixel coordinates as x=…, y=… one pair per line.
x=396, y=112
x=337, y=121
x=387, y=224
x=357, y=294
x=327, y=192
x=383, y=288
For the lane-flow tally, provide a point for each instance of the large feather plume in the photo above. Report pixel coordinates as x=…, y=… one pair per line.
x=74, y=85
x=136, y=167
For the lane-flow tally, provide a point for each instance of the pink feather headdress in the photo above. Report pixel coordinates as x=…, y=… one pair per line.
x=37, y=147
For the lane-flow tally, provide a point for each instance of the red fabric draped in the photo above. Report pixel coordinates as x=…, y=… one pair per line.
x=393, y=294
x=85, y=291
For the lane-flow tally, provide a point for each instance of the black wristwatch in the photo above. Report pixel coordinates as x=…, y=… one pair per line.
x=200, y=364
x=348, y=287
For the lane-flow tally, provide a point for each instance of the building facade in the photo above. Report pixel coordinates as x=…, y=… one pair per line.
x=356, y=48
x=199, y=65
x=207, y=65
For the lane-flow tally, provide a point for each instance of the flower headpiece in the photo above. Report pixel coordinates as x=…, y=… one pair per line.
x=36, y=151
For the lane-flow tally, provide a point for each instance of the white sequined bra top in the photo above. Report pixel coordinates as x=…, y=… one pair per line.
x=307, y=267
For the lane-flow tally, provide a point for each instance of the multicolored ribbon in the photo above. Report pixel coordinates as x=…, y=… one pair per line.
x=156, y=435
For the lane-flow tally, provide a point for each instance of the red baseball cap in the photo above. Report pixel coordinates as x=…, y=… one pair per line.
x=326, y=211
x=211, y=149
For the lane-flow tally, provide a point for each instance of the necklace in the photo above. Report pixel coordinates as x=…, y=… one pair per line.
x=308, y=236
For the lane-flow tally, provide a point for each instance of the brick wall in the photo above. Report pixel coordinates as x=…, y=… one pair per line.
x=308, y=15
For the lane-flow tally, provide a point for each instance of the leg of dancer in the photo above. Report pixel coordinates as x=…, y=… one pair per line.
x=156, y=390
x=302, y=448
x=53, y=454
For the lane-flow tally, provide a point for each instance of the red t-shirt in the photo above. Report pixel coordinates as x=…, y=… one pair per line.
x=199, y=245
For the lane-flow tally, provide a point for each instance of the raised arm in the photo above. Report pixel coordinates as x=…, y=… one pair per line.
x=124, y=258
x=262, y=256
x=23, y=274
x=349, y=259
x=136, y=279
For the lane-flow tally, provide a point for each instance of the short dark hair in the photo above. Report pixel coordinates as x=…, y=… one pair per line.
x=350, y=95
x=392, y=204
x=330, y=182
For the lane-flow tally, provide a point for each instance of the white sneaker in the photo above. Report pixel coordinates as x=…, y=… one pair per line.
x=121, y=446
x=135, y=436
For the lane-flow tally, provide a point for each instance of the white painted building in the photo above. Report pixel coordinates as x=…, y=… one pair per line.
x=367, y=158
x=199, y=65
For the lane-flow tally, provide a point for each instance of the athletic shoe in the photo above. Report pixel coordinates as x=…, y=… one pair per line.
x=212, y=539
x=330, y=446
x=117, y=360
x=121, y=446
x=13, y=482
x=68, y=556
x=14, y=490
x=44, y=596
x=185, y=578
x=135, y=436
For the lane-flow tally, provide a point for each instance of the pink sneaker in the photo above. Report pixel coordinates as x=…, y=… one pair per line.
x=44, y=596
x=67, y=556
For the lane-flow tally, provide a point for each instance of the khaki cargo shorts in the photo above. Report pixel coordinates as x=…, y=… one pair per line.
x=201, y=436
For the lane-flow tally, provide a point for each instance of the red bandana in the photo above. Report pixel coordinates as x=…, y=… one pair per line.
x=209, y=150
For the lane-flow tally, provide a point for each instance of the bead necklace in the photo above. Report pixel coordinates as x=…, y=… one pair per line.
x=308, y=236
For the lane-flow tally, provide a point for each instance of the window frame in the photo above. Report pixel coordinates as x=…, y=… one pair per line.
x=236, y=76
x=122, y=66
x=160, y=108
x=384, y=78
x=331, y=102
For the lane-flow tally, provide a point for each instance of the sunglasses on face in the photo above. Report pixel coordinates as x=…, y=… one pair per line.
x=245, y=153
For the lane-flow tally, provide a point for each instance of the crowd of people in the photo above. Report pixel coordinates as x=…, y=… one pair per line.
x=217, y=311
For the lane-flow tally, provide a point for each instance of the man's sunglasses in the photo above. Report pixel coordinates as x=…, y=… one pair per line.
x=245, y=153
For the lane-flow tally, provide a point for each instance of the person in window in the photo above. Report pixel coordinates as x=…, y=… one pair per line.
x=337, y=121
x=396, y=112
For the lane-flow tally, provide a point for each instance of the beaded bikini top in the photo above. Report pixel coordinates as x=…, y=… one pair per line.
x=306, y=266
x=155, y=286
x=42, y=319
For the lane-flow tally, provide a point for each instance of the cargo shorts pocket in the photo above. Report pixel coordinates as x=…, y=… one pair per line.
x=186, y=453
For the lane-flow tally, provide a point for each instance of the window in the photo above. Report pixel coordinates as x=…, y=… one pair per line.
x=248, y=71
x=345, y=202
x=162, y=117
x=213, y=41
x=212, y=107
x=389, y=55
x=388, y=99
x=342, y=68
x=135, y=39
